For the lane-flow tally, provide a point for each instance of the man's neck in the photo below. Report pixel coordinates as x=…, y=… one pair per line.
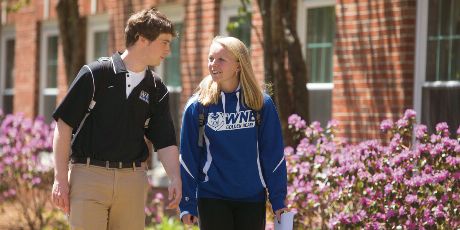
x=132, y=62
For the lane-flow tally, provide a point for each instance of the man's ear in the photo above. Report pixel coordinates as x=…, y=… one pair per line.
x=142, y=40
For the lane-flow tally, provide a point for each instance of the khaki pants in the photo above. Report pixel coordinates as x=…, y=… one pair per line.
x=102, y=198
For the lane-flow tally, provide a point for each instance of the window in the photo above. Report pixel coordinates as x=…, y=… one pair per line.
x=235, y=25
x=317, y=30
x=437, y=87
x=320, y=38
x=242, y=30
x=443, y=61
x=171, y=74
x=7, y=71
x=97, y=37
x=48, y=70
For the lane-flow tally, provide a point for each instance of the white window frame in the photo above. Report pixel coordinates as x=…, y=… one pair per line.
x=7, y=33
x=96, y=23
x=304, y=5
x=49, y=28
x=46, y=9
x=3, y=13
x=420, y=59
x=93, y=9
x=175, y=14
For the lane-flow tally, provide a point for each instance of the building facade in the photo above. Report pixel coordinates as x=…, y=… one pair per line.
x=366, y=60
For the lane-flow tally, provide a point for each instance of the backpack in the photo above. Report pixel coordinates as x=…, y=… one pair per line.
x=203, y=116
x=105, y=64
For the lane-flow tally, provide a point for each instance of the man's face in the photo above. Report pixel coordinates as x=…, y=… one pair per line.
x=158, y=49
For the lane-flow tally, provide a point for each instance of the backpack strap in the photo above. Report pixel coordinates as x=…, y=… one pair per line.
x=92, y=103
x=90, y=106
x=203, y=114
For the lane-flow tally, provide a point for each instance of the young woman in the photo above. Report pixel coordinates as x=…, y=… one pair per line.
x=231, y=159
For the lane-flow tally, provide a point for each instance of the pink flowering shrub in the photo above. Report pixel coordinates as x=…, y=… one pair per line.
x=26, y=167
x=156, y=215
x=410, y=183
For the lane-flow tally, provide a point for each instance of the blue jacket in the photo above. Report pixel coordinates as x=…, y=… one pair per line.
x=232, y=164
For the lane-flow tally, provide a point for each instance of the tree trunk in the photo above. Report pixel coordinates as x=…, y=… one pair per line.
x=72, y=31
x=281, y=89
x=283, y=61
x=297, y=65
x=264, y=7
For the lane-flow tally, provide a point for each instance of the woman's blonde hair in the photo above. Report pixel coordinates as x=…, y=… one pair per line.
x=208, y=91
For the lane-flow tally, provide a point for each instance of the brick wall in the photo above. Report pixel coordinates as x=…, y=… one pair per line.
x=201, y=24
x=373, y=64
x=26, y=61
x=257, y=52
x=373, y=59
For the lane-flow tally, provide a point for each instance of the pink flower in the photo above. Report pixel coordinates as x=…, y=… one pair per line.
x=334, y=123
x=410, y=199
x=294, y=118
x=401, y=211
x=409, y=114
x=159, y=196
x=36, y=180
x=402, y=123
x=388, y=189
x=420, y=131
x=296, y=121
x=386, y=125
x=442, y=128
x=288, y=150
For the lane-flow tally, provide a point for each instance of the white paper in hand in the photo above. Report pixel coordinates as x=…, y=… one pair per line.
x=286, y=223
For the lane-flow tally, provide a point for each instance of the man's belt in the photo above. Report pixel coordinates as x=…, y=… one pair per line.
x=107, y=164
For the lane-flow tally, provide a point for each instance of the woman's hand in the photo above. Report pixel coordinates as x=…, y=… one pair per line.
x=279, y=212
x=189, y=219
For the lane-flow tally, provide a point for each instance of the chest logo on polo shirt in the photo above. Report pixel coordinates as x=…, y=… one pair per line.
x=231, y=121
x=144, y=96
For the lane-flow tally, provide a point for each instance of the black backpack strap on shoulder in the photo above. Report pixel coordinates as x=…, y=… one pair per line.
x=102, y=63
x=258, y=118
x=201, y=123
x=91, y=105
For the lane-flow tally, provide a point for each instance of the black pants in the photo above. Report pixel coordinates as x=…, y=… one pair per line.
x=217, y=214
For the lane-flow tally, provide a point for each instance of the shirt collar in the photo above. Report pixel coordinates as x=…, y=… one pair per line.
x=118, y=64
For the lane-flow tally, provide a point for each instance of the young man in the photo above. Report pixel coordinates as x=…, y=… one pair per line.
x=106, y=183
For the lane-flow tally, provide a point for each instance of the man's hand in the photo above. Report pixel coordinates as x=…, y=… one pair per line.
x=174, y=193
x=60, y=196
x=61, y=149
x=189, y=219
x=169, y=157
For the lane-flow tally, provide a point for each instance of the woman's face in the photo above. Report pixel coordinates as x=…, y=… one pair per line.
x=223, y=67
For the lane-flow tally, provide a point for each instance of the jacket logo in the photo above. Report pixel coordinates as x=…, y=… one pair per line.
x=144, y=96
x=216, y=121
x=231, y=121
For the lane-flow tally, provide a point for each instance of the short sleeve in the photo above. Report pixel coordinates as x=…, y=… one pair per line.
x=74, y=105
x=160, y=130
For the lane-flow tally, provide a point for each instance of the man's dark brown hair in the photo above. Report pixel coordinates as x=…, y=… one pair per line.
x=148, y=23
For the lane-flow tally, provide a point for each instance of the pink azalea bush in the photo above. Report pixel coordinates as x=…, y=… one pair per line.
x=409, y=183
x=26, y=167
x=156, y=216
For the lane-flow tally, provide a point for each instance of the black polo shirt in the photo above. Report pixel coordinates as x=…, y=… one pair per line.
x=115, y=128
